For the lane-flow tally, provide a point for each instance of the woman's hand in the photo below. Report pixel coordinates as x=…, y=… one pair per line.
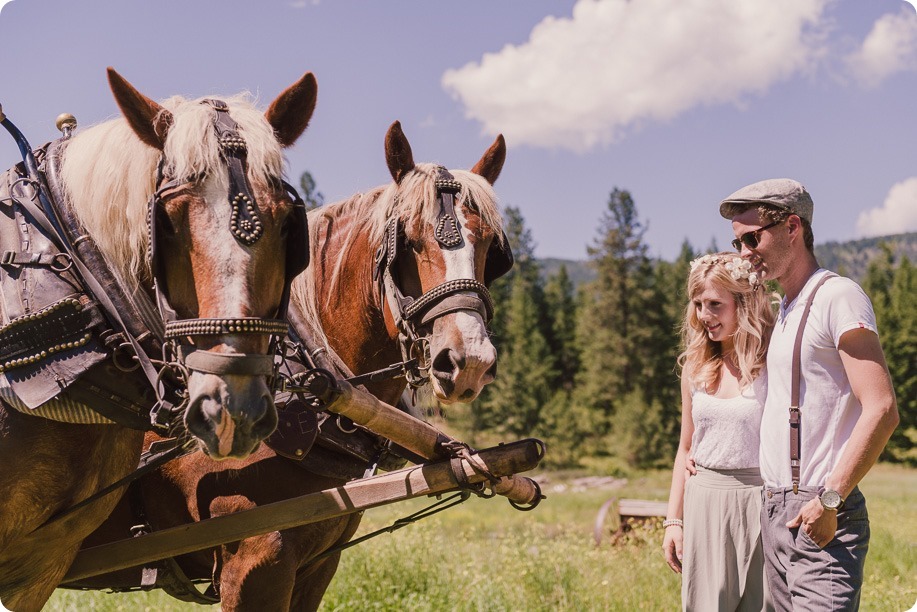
x=672, y=546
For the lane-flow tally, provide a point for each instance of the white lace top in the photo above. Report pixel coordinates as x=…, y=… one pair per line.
x=727, y=432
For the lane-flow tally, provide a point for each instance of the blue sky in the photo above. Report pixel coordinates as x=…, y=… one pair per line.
x=679, y=101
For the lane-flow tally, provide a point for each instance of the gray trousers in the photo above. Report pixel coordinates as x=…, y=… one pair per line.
x=802, y=576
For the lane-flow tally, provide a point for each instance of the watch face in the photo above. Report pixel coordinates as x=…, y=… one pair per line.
x=830, y=499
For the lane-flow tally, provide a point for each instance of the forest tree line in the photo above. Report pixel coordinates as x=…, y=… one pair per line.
x=592, y=370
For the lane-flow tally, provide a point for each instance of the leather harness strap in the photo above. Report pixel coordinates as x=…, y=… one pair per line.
x=795, y=415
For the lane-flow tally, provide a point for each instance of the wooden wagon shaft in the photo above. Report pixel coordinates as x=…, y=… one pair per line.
x=355, y=496
x=415, y=435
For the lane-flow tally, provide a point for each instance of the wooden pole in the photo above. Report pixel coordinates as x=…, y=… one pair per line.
x=415, y=435
x=355, y=496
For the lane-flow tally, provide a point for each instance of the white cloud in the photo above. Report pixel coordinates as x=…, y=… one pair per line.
x=890, y=47
x=897, y=215
x=578, y=82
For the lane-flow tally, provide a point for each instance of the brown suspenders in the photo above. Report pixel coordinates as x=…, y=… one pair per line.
x=794, y=406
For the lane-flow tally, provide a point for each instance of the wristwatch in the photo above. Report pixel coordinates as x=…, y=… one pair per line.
x=830, y=499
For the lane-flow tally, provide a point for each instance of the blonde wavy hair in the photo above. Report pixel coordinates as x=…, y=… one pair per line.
x=702, y=358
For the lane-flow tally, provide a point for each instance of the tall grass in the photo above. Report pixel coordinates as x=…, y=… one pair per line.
x=483, y=555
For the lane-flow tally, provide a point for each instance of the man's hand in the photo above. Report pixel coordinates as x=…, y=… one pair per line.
x=818, y=523
x=672, y=545
x=690, y=468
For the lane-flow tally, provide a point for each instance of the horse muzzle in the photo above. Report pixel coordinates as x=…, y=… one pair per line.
x=463, y=363
x=230, y=406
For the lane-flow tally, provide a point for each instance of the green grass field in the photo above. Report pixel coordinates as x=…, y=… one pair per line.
x=483, y=555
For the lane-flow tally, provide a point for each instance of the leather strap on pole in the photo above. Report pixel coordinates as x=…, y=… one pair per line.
x=795, y=416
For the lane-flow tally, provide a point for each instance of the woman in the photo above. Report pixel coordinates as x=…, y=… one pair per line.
x=712, y=529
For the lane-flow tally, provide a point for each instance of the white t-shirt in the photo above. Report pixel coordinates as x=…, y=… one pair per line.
x=727, y=430
x=829, y=410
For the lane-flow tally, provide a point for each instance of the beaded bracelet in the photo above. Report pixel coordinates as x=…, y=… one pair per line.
x=671, y=522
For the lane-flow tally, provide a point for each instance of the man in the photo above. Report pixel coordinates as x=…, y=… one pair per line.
x=816, y=533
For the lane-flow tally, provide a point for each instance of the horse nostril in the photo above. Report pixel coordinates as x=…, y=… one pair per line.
x=266, y=419
x=444, y=363
x=492, y=372
x=203, y=414
x=260, y=407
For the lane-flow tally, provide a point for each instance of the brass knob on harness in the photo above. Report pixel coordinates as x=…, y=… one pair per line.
x=65, y=121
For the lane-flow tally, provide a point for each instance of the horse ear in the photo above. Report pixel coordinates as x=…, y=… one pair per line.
x=289, y=114
x=149, y=120
x=490, y=165
x=398, y=153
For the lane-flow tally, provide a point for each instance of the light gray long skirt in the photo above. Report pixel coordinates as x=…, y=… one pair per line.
x=723, y=565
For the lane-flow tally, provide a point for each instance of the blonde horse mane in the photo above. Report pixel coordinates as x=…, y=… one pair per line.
x=413, y=201
x=109, y=174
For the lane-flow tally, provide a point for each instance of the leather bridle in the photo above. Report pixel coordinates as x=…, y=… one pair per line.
x=456, y=295
x=247, y=229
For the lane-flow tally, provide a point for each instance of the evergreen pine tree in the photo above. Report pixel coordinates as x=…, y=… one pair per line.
x=523, y=384
x=512, y=403
x=670, y=295
x=310, y=195
x=561, y=308
x=901, y=354
x=625, y=335
x=891, y=290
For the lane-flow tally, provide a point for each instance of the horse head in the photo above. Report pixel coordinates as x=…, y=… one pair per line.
x=220, y=216
x=443, y=245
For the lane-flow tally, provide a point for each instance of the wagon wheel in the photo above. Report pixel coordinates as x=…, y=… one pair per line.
x=606, y=525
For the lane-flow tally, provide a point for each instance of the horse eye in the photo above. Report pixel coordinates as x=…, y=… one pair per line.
x=164, y=222
x=414, y=245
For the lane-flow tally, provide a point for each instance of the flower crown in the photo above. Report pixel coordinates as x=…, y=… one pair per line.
x=737, y=267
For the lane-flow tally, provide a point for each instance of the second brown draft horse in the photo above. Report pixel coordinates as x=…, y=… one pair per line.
x=339, y=297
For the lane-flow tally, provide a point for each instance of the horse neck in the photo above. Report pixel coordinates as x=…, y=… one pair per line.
x=348, y=303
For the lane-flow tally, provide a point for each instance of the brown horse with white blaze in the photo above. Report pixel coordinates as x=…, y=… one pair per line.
x=167, y=162
x=355, y=301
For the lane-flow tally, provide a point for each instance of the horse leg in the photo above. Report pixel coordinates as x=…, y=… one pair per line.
x=313, y=579
x=47, y=467
x=32, y=598
x=257, y=574
x=272, y=572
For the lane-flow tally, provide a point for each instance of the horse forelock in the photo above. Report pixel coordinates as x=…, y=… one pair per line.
x=414, y=201
x=192, y=147
x=110, y=175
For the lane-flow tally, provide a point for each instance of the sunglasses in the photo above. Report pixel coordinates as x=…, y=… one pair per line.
x=750, y=239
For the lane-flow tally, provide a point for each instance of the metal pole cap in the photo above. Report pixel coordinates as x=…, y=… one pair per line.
x=2, y=116
x=65, y=120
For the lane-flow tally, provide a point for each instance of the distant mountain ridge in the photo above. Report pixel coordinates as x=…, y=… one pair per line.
x=850, y=258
